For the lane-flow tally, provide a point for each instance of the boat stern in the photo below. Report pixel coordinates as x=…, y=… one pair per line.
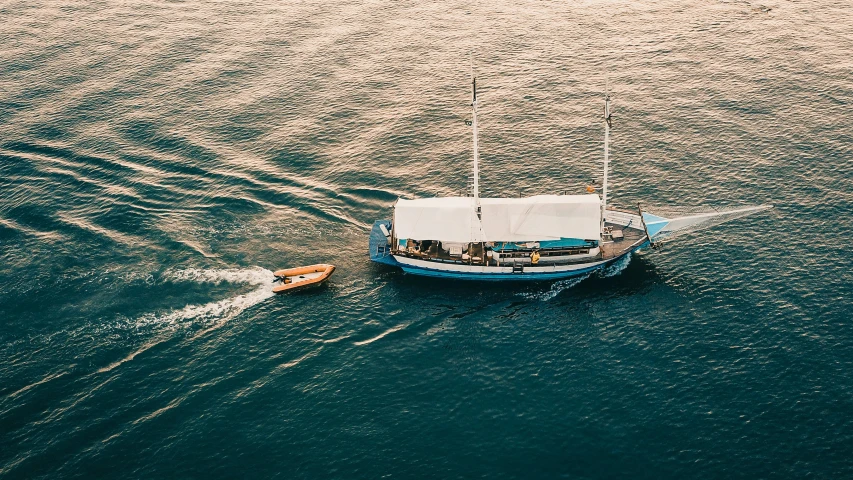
x=380, y=243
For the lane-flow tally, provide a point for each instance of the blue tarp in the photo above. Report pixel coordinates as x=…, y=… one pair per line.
x=561, y=243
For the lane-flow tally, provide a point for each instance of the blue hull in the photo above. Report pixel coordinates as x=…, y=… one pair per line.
x=500, y=277
x=380, y=253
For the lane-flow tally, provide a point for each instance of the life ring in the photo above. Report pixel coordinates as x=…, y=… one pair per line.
x=534, y=258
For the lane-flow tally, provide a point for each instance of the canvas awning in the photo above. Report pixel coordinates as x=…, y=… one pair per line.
x=449, y=219
x=542, y=217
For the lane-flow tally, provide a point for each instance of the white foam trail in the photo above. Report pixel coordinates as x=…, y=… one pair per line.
x=556, y=288
x=215, y=313
x=222, y=309
x=253, y=276
x=616, y=267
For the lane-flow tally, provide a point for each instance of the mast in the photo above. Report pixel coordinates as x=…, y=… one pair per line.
x=476, y=187
x=606, y=156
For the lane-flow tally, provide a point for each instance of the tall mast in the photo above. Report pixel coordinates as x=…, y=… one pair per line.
x=476, y=186
x=606, y=156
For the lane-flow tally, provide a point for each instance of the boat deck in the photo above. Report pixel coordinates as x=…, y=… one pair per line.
x=611, y=247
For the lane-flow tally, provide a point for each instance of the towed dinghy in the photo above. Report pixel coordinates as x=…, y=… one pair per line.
x=301, y=277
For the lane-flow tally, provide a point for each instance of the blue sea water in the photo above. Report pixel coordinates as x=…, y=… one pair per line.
x=159, y=159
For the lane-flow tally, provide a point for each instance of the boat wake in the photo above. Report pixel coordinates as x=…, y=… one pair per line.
x=208, y=316
x=213, y=311
x=253, y=275
x=558, y=287
x=616, y=267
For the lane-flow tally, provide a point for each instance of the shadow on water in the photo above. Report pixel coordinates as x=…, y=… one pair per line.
x=304, y=292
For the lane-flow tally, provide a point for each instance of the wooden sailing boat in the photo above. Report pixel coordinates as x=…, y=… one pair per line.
x=543, y=237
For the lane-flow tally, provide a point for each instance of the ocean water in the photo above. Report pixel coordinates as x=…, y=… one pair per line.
x=159, y=159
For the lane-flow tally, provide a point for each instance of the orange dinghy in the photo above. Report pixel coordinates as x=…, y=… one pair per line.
x=301, y=277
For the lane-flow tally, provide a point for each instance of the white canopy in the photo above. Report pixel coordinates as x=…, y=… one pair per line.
x=449, y=219
x=542, y=217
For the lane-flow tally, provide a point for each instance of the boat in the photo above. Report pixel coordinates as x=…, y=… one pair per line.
x=541, y=237
x=298, y=278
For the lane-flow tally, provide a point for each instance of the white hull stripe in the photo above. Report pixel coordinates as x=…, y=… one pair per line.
x=486, y=270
